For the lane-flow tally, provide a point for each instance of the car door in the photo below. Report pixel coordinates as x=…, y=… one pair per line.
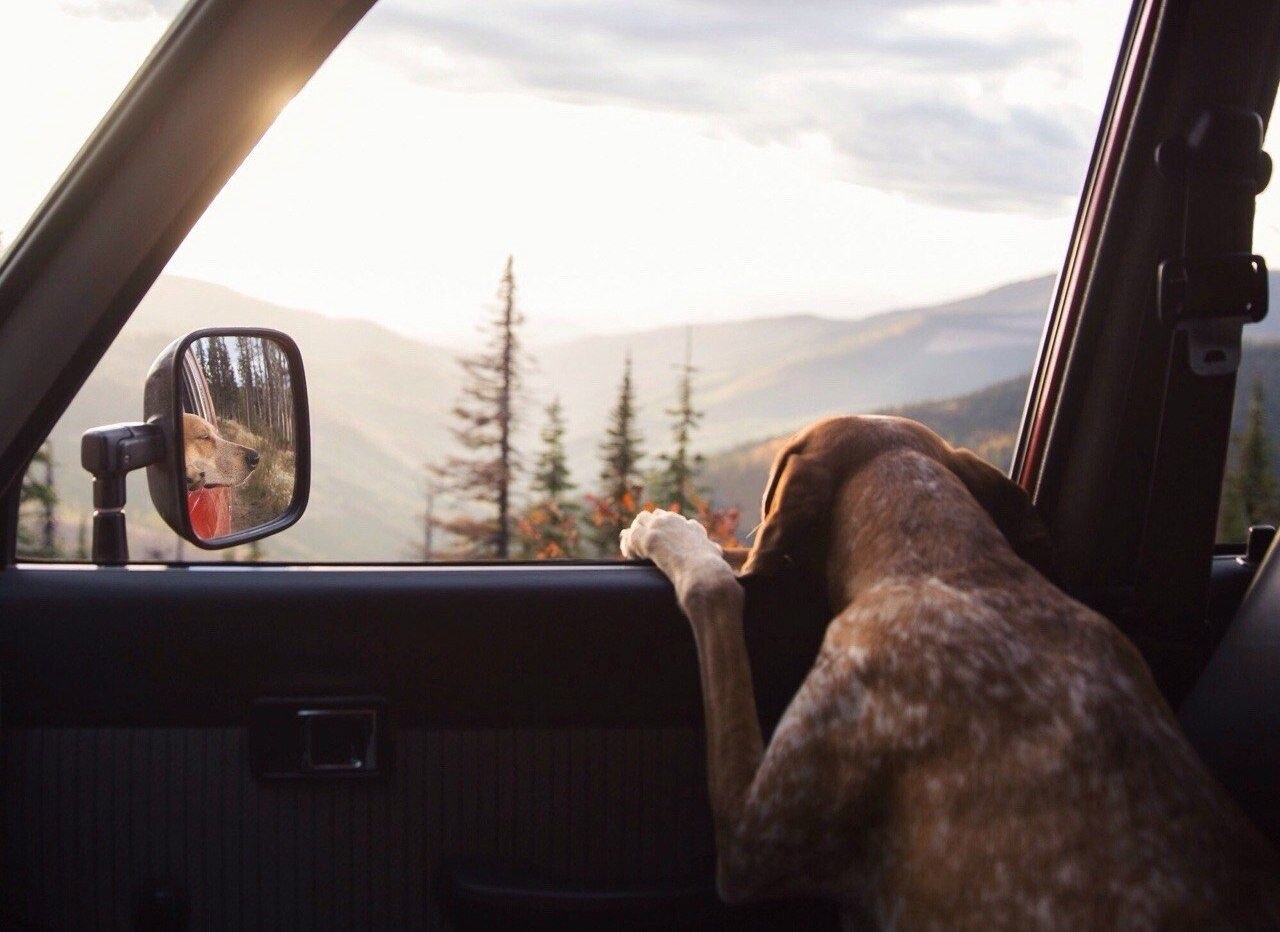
x=499, y=746
x=541, y=748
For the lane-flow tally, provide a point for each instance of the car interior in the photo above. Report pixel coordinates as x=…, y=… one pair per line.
x=519, y=746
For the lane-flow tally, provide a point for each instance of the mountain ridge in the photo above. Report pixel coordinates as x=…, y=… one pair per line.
x=381, y=402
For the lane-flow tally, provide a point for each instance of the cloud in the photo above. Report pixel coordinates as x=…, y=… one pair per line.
x=947, y=152
x=912, y=96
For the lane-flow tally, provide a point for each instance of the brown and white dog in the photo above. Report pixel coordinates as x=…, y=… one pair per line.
x=210, y=459
x=972, y=748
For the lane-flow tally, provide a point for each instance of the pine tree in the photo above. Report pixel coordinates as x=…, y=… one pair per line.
x=37, y=501
x=673, y=487
x=250, y=379
x=620, y=484
x=548, y=527
x=41, y=493
x=49, y=522
x=221, y=377
x=1251, y=495
x=551, y=473
x=621, y=450
x=486, y=421
x=278, y=397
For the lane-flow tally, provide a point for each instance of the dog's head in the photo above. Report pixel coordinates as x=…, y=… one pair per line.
x=813, y=467
x=210, y=459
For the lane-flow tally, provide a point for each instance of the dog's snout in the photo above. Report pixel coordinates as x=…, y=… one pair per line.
x=251, y=457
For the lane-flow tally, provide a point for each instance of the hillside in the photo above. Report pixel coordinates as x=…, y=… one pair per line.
x=370, y=432
x=380, y=401
x=761, y=377
x=986, y=422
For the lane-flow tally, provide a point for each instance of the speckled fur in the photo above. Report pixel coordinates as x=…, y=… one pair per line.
x=972, y=748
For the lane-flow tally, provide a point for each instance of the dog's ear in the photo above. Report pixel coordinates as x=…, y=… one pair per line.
x=1010, y=508
x=797, y=515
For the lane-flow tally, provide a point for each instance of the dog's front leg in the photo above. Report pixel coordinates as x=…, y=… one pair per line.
x=712, y=599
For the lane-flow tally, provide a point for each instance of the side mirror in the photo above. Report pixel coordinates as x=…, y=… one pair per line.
x=232, y=407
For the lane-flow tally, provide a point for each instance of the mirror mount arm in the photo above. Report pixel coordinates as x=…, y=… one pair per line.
x=109, y=454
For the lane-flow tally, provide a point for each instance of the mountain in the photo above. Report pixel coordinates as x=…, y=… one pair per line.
x=381, y=401
x=985, y=421
x=378, y=402
x=761, y=377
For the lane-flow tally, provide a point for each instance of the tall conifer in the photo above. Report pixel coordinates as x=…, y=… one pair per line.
x=548, y=527
x=485, y=424
x=551, y=474
x=620, y=454
x=37, y=501
x=674, y=486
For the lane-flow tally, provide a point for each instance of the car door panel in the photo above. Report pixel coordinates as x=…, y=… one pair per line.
x=544, y=723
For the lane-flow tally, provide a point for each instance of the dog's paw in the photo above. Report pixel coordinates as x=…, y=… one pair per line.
x=668, y=539
x=704, y=583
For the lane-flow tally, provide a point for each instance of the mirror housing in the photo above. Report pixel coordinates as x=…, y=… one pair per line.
x=177, y=389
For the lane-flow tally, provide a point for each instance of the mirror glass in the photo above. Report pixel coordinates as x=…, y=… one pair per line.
x=237, y=434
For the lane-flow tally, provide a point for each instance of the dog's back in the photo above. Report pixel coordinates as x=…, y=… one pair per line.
x=1031, y=774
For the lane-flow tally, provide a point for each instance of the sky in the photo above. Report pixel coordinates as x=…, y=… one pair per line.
x=647, y=163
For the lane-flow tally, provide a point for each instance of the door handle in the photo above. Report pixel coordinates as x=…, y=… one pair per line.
x=318, y=737
x=339, y=740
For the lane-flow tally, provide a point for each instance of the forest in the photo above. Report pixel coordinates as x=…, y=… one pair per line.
x=555, y=519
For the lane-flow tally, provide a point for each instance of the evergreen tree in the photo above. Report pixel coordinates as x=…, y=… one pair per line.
x=673, y=487
x=620, y=484
x=250, y=378
x=551, y=473
x=277, y=395
x=548, y=527
x=49, y=522
x=221, y=376
x=621, y=450
x=37, y=501
x=1251, y=496
x=486, y=420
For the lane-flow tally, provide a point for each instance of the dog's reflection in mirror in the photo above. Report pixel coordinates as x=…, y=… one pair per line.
x=210, y=460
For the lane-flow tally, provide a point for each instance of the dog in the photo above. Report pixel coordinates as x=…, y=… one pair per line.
x=972, y=748
x=210, y=459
